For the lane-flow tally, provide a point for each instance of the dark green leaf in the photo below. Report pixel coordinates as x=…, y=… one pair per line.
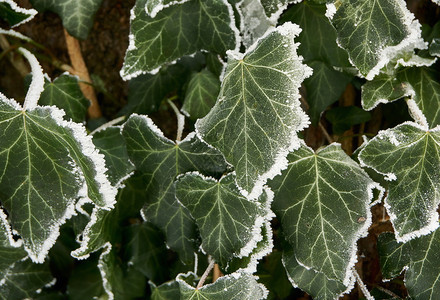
x=13, y=14
x=85, y=283
x=229, y=224
x=175, y=31
x=64, y=92
x=47, y=164
x=166, y=291
x=201, y=94
x=77, y=15
x=344, y=117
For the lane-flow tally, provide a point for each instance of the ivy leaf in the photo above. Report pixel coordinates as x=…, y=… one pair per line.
x=64, y=92
x=77, y=15
x=85, y=281
x=418, y=257
x=111, y=143
x=255, y=121
x=168, y=290
x=15, y=15
x=161, y=160
x=22, y=280
x=274, y=8
x=9, y=252
x=344, y=117
x=229, y=224
x=146, y=251
x=323, y=202
x=315, y=283
x=408, y=156
x=383, y=89
x=236, y=286
x=420, y=84
x=175, y=32
x=201, y=94
x=423, y=82
x=375, y=32
x=324, y=88
x=47, y=164
x=147, y=91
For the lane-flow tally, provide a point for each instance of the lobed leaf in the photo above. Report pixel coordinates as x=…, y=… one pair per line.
x=201, y=94
x=47, y=164
x=229, y=224
x=409, y=157
x=64, y=93
x=375, y=32
x=77, y=15
x=235, y=286
x=420, y=259
x=175, y=32
x=323, y=202
x=257, y=115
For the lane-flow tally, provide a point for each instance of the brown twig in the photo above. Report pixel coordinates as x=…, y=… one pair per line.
x=80, y=69
x=217, y=273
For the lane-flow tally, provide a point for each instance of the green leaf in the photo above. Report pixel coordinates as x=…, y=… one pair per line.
x=85, y=281
x=251, y=30
x=162, y=160
x=383, y=89
x=201, y=94
x=152, y=7
x=420, y=259
x=175, y=32
x=424, y=84
x=375, y=32
x=10, y=251
x=22, y=280
x=315, y=283
x=111, y=143
x=323, y=202
x=147, y=91
x=229, y=224
x=166, y=291
x=255, y=121
x=235, y=286
x=408, y=156
x=272, y=274
x=64, y=92
x=274, y=8
x=146, y=251
x=324, y=88
x=343, y=118
x=47, y=164
x=15, y=15
x=77, y=15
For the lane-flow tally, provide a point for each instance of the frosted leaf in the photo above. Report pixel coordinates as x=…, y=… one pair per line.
x=64, y=92
x=374, y=32
x=15, y=15
x=161, y=160
x=257, y=115
x=274, y=8
x=77, y=15
x=229, y=224
x=419, y=257
x=323, y=201
x=315, y=283
x=175, y=31
x=235, y=286
x=408, y=154
x=201, y=94
x=47, y=164
x=152, y=7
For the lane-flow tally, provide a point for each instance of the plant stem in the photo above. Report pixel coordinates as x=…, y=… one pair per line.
x=180, y=120
x=17, y=62
x=108, y=124
x=78, y=64
x=205, y=274
x=362, y=285
x=217, y=273
x=324, y=131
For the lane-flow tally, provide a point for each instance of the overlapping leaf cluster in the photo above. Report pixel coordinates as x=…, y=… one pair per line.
x=140, y=214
